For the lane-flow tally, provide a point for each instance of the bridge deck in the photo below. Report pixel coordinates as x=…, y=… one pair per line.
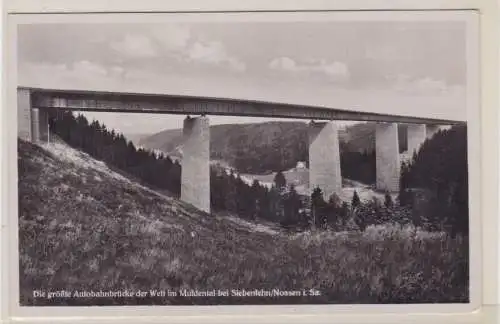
x=172, y=104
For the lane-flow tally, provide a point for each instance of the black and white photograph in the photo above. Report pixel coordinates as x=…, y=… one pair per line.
x=241, y=162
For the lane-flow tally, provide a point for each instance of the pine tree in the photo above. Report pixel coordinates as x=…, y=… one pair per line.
x=231, y=194
x=276, y=208
x=280, y=181
x=356, y=202
x=388, y=200
x=317, y=207
x=256, y=199
x=440, y=171
x=344, y=214
x=292, y=207
x=404, y=196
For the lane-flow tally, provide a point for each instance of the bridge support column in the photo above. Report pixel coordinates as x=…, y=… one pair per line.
x=32, y=123
x=387, y=157
x=416, y=137
x=195, y=177
x=39, y=125
x=24, y=114
x=324, y=158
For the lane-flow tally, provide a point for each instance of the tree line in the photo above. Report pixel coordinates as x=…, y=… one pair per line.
x=358, y=166
x=435, y=182
x=433, y=190
x=113, y=148
x=228, y=191
x=265, y=148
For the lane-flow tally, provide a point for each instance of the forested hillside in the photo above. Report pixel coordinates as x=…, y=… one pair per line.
x=263, y=148
x=137, y=137
x=438, y=177
x=250, y=148
x=229, y=192
x=113, y=148
x=433, y=194
x=225, y=139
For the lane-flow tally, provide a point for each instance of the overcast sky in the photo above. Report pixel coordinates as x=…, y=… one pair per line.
x=404, y=68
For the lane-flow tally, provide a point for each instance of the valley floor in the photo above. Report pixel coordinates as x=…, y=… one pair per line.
x=84, y=227
x=300, y=179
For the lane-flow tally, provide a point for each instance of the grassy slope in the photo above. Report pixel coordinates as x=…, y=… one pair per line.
x=83, y=226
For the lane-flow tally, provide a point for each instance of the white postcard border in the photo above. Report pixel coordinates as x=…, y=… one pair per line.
x=481, y=136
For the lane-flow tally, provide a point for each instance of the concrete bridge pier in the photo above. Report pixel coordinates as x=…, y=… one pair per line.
x=24, y=125
x=40, y=125
x=32, y=123
x=387, y=157
x=195, y=174
x=324, y=158
x=416, y=137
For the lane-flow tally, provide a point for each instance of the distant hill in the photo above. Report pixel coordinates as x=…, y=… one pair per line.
x=136, y=138
x=259, y=147
x=266, y=147
x=361, y=138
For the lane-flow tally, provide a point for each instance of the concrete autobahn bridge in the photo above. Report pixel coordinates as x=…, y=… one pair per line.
x=34, y=105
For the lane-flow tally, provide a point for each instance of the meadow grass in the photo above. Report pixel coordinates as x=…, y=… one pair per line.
x=84, y=227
